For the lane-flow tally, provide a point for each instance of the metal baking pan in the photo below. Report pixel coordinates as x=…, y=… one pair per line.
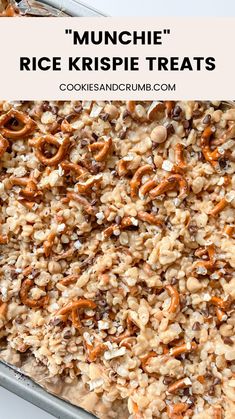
x=12, y=378
x=47, y=8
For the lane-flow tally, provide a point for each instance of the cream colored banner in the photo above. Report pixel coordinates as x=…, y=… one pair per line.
x=186, y=58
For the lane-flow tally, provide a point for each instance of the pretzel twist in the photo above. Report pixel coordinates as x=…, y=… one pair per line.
x=218, y=207
x=178, y=385
x=3, y=310
x=84, y=188
x=210, y=156
x=73, y=196
x=125, y=223
x=183, y=349
x=149, y=218
x=180, y=165
x=59, y=156
x=4, y=144
x=136, y=180
x=220, y=303
x=217, y=412
x=26, y=285
x=175, y=298
x=72, y=167
x=29, y=124
x=48, y=244
x=73, y=307
x=170, y=183
x=175, y=410
x=147, y=186
x=103, y=149
x=70, y=279
x=207, y=264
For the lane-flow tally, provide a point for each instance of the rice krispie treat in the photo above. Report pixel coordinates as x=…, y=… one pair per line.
x=117, y=254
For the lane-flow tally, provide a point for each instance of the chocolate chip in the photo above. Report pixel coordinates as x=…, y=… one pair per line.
x=95, y=136
x=186, y=392
x=216, y=381
x=54, y=109
x=222, y=163
x=196, y=326
x=176, y=112
x=103, y=303
x=118, y=219
x=70, y=117
x=207, y=119
x=19, y=320
x=228, y=341
x=55, y=322
x=122, y=134
x=104, y=116
x=170, y=129
x=186, y=124
x=83, y=142
x=174, y=281
x=191, y=400
x=67, y=334
x=46, y=107
x=77, y=109
x=126, y=113
x=211, y=391
x=167, y=380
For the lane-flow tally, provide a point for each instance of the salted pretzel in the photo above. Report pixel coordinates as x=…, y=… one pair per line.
x=220, y=303
x=59, y=156
x=66, y=126
x=72, y=167
x=103, y=149
x=219, y=207
x=48, y=244
x=4, y=144
x=125, y=223
x=178, y=385
x=136, y=180
x=217, y=412
x=207, y=264
x=94, y=352
x=3, y=310
x=72, y=309
x=210, y=156
x=3, y=238
x=70, y=279
x=73, y=196
x=175, y=298
x=29, y=189
x=180, y=165
x=86, y=187
x=183, y=349
x=170, y=183
x=28, y=124
x=26, y=285
x=176, y=410
x=149, y=218
x=129, y=332
x=147, y=186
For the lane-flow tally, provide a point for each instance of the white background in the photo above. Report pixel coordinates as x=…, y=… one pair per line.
x=11, y=406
